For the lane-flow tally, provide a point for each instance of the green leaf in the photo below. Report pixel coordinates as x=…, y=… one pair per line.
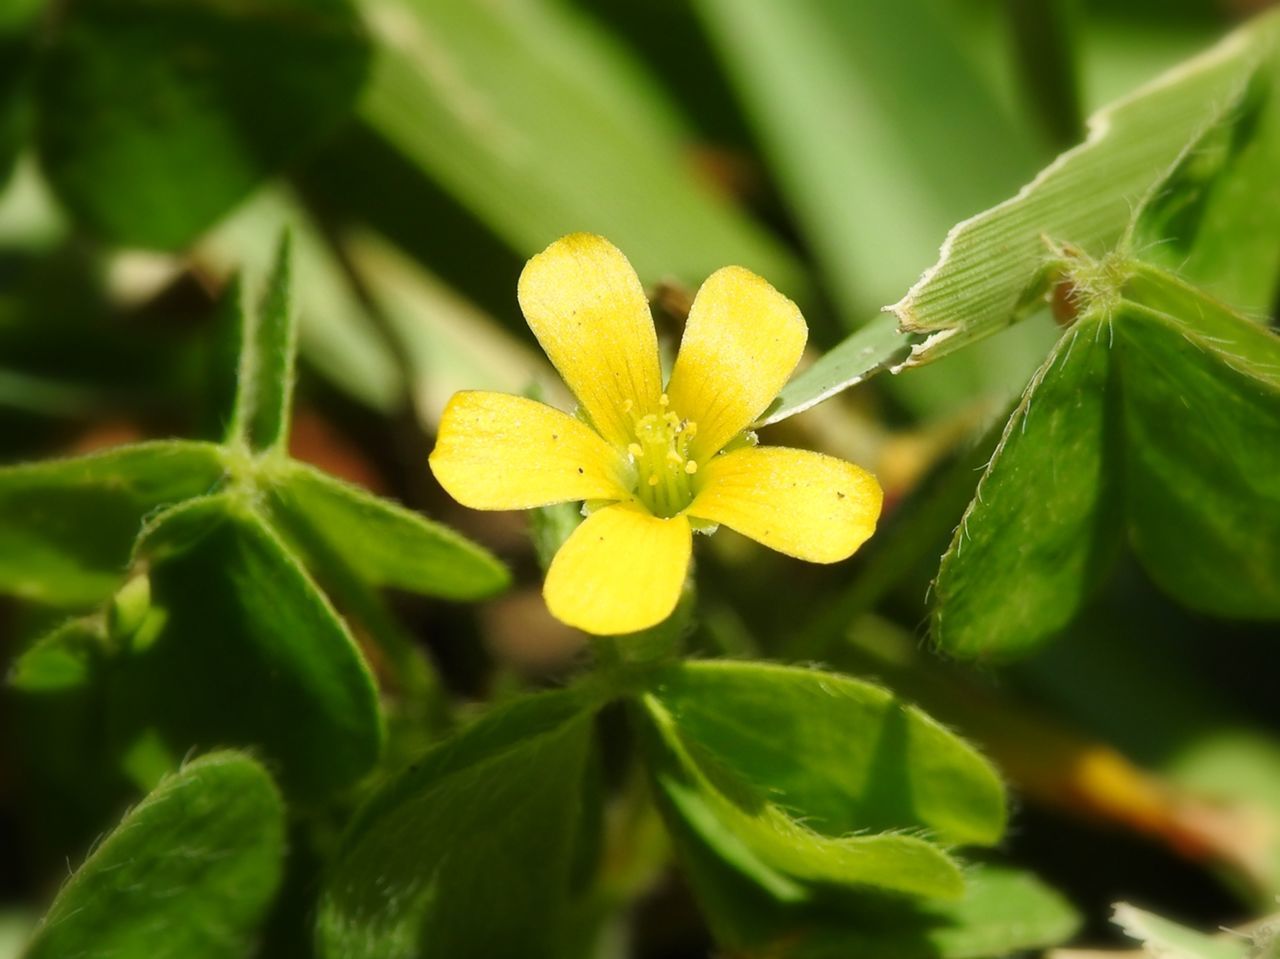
x=69, y=524
x=157, y=118
x=188, y=874
x=1203, y=495
x=336, y=334
x=768, y=845
x=1002, y=911
x=882, y=159
x=244, y=625
x=1039, y=534
x=487, y=101
x=1216, y=221
x=468, y=853
x=877, y=166
x=840, y=755
x=61, y=659
x=1092, y=453
x=383, y=543
x=876, y=346
x=1168, y=940
x=993, y=268
x=268, y=344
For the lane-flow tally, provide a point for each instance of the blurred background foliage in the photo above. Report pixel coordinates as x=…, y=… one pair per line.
x=420, y=151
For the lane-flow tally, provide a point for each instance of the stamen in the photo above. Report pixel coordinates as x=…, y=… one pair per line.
x=660, y=455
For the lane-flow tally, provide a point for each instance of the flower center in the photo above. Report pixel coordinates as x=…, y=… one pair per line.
x=660, y=453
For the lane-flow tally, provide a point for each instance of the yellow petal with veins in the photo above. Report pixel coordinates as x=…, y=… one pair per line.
x=807, y=505
x=740, y=346
x=495, y=451
x=620, y=571
x=587, y=308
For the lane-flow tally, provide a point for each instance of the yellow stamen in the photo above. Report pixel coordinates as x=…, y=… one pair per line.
x=660, y=454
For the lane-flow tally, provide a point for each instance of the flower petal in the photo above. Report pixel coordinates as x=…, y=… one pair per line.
x=741, y=344
x=496, y=451
x=585, y=305
x=622, y=570
x=804, y=504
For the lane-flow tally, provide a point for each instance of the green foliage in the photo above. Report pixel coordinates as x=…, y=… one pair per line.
x=61, y=659
x=785, y=808
x=468, y=852
x=1089, y=452
x=876, y=346
x=148, y=147
x=381, y=543
x=242, y=622
x=173, y=596
x=260, y=416
x=1213, y=220
x=1042, y=527
x=497, y=126
x=843, y=756
x=1002, y=911
x=992, y=268
x=221, y=608
x=911, y=154
x=70, y=524
x=189, y=872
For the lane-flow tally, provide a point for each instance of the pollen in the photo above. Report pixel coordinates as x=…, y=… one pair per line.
x=660, y=456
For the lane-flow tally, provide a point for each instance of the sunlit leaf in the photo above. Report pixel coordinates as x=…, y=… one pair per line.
x=382, y=542
x=841, y=755
x=768, y=844
x=880, y=161
x=993, y=267
x=488, y=101
x=877, y=345
x=1002, y=911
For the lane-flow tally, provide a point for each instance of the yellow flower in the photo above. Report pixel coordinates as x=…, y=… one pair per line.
x=651, y=465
